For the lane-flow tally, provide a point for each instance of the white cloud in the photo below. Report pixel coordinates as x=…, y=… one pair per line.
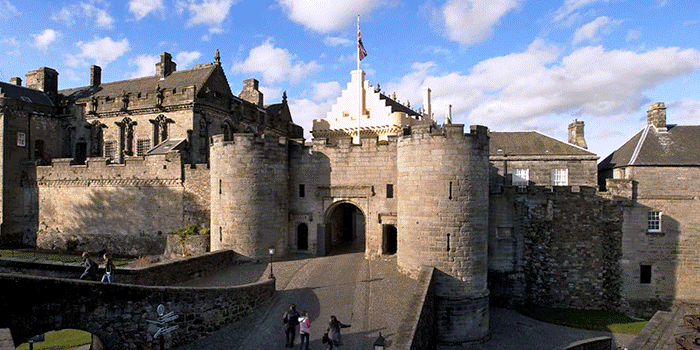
x=7, y=9
x=634, y=34
x=472, y=21
x=338, y=41
x=304, y=112
x=571, y=6
x=87, y=10
x=275, y=64
x=684, y=112
x=141, y=8
x=271, y=94
x=101, y=51
x=145, y=65
x=591, y=31
x=11, y=41
x=185, y=59
x=45, y=38
x=323, y=91
x=522, y=88
x=211, y=13
x=325, y=16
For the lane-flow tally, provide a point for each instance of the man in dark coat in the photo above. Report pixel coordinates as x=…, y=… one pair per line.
x=291, y=320
x=90, y=268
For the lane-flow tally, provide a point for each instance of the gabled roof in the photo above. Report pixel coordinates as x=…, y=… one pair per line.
x=25, y=94
x=531, y=143
x=678, y=145
x=196, y=77
x=397, y=107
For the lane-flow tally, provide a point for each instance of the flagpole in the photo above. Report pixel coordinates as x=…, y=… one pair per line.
x=359, y=92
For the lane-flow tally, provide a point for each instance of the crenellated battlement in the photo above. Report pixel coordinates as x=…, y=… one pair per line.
x=245, y=141
x=368, y=144
x=98, y=170
x=477, y=133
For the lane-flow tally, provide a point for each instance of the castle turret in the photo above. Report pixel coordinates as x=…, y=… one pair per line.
x=442, y=217
x=249, y=195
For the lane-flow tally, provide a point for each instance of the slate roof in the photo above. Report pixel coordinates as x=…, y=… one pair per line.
x=679, y=145
x=397, y=107
x=166, y=146
x=531, y=143
x=196, y=76
x=26, y=94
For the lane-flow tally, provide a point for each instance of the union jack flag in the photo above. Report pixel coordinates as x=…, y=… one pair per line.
x=361, y=52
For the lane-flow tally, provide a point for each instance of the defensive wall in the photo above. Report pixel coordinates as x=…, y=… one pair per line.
x=418, y=330
x=117, y=313
x=556, y=247
x=124, y=208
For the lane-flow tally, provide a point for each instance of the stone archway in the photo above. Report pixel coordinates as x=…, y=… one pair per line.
x=345, y=229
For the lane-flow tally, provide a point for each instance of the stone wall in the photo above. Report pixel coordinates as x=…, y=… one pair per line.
x=582, y=170
x=117, y=313
x=556, y=248
x=124, y=208
x=418, y=330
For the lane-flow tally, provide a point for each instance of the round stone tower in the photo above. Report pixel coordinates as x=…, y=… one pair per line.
x=249, y=195
x=442, y=218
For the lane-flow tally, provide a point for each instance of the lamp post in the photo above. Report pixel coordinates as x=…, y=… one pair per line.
x=379, y=344
x=271, y=250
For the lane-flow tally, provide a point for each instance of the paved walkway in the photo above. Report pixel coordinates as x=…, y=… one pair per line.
x=370, y=295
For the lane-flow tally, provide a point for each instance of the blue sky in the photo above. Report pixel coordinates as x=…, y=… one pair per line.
x=506, y=64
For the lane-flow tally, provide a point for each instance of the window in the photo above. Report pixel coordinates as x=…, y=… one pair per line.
x=389, y=191
x=142, y=146
x=521, y=177
x=302, y=191
x=560, y=177
x=21, y=139
x=644, y=274
x=654, y=221
x=110, y=150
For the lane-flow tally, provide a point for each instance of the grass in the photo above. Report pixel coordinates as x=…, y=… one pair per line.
x=31, y=255
x=596, y=320
x=63, y=339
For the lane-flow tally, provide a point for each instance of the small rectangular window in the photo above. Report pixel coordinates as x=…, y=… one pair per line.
x=654, y=221
x=142, y=146
x=521, y=177
x=389, y=191
x=21, y=139
x=644, y=274
x=302, y=191
x=110, y=150
x=560, y=177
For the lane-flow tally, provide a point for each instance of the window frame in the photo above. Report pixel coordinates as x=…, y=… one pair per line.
x=654, y=218
x=523, y=181
x=389, y=190
x=140, y=151
x=557, y=177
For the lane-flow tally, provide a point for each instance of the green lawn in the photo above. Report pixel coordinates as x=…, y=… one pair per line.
x=596, y=320
x=63, y=339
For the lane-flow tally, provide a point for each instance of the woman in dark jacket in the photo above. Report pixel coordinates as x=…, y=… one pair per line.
x=334, y=327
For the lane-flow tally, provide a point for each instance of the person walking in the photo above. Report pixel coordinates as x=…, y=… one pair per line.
x=291, y=320
x=109, y=269
x=304, y=326
x=90, y=272
x=334, y=327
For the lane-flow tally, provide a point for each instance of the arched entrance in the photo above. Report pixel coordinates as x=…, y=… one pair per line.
x=389, y=238
x=345, y=229
x=302, y=237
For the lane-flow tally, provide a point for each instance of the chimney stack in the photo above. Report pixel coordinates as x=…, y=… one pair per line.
x=95, y=75
x=44, y=79
x=448, y=115
x=251, y=93
x=656, y=116
x=16, y=81
x=166, y=66
x=427, y=109
x=576, y=134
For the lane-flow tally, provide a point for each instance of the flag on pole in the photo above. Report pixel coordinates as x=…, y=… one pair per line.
x=361, y=52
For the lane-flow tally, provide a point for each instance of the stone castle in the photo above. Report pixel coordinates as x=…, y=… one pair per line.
x=505, y=217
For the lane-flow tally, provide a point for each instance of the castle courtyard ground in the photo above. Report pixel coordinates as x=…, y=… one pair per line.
x=371, y=296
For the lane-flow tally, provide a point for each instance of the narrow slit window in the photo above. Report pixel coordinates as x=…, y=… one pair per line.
x=219, y=186
x=389, y=191
x=450, y=189
x=302, y=191
x=448, y=242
